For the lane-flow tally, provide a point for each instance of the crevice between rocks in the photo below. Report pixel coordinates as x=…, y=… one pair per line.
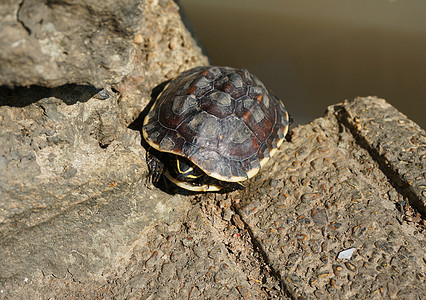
x=399, y=184
x=257, y=248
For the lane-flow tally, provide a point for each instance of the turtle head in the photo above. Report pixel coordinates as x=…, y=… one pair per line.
x=184, y=170
x=185, y=174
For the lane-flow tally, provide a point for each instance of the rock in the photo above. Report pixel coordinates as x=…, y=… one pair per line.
x=77, y=219
x=354, y=209
x=63, y=145
x=396, y=142
x=73, y=168
x=89, y=42
x=52, y=44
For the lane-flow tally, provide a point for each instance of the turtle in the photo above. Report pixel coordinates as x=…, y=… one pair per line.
x=212, y=127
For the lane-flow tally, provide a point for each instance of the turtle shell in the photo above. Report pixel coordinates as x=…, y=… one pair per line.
x=222, y=119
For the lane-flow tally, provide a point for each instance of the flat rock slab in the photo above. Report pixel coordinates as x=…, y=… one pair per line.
x=331, y=216
x=394, y=141
x=82, y=245
x=327, y=192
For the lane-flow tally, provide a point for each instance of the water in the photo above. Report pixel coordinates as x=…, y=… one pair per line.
x=320, y=54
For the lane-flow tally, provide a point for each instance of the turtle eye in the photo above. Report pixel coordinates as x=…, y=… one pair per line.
x=186, y=171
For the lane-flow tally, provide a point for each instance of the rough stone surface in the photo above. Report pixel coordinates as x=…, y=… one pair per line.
x=52, y=43
x=200, y=259
x=279, y=238
x=69, y=160
x=396, y=142
x=63, y=145
x=79, y=221
x=72, y=253
x=325, y=194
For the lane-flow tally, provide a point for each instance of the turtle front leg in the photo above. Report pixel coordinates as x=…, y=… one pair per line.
x=155, y=167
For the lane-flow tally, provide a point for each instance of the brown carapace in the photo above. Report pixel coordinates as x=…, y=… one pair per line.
x=214, y=127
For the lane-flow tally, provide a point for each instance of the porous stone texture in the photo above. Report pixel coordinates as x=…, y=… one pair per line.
x=78, y=220
x=396, y=142
x=199, y=259
x=325, y=194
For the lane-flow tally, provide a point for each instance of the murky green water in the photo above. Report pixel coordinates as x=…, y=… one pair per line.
x=316, y=53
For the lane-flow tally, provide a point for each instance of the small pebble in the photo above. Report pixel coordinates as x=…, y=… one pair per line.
x=227, y=214
x=346, y=254
x=236, y=219
x=138, y=40
x=350, y=267
x=274, y=183
x=337, y=269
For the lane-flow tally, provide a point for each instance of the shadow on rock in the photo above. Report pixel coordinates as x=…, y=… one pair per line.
x=69, y=94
